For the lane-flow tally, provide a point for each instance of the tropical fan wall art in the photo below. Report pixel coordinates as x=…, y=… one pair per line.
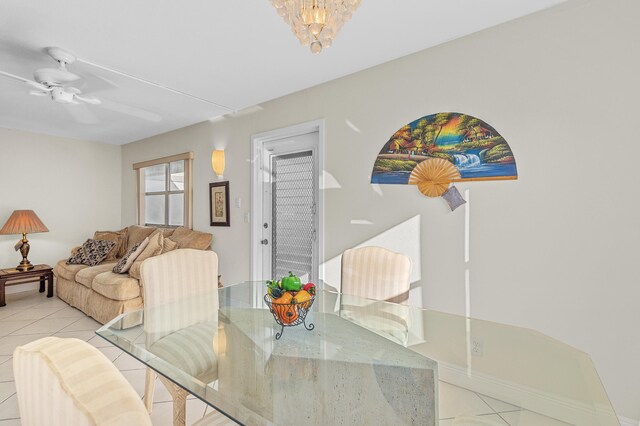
x=434, y=151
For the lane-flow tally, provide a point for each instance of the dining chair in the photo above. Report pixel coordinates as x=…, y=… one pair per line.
x=379, y=274
x=376, y=273
x=180, y=318
x=70, y=382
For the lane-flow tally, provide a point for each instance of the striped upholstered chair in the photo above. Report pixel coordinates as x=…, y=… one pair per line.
x=70, y=382
x=180, y=317
x=376, y=273
x=379, y=274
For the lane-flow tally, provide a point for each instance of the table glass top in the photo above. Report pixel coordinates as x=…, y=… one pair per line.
x=363, y=362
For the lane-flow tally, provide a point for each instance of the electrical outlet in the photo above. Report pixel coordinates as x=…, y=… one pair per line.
x=477, y=347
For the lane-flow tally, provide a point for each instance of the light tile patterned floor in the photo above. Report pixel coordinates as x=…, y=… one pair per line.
x=30, y=315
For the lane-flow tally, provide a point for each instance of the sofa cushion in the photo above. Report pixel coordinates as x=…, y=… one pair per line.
x=134, y=272
x=187, y=238
x=116, y=286
x=68, y=271
x=138, y=233
x=92, y=252
x=154, y=247
x=120, y=238
x=132, y=254
x=167, y=232
x=168, y=245
x=85, y=276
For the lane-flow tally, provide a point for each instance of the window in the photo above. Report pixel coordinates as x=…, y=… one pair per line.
x=164, y=191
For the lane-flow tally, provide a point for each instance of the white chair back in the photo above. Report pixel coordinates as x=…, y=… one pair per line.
x=376, y=273
x=180, y=290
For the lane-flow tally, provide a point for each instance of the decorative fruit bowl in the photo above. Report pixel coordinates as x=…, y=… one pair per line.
x=290, y=302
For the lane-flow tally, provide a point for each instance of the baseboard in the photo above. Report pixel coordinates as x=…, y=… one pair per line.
x=565, y=409
x=625, y=421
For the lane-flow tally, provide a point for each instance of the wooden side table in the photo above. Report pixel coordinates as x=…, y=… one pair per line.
x=13, y=276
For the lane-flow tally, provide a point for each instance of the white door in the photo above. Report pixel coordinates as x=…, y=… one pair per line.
x=288, y=209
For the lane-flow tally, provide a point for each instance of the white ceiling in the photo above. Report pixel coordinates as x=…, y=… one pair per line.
x=232, y=54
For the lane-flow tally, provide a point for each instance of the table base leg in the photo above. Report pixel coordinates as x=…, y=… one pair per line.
x=179, y=401
x=149, y=387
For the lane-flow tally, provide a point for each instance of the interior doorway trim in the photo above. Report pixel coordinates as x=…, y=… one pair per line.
x=257, y=146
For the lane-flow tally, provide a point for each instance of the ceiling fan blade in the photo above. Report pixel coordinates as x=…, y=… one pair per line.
x=38, y=86
x=95, y=83
x=55, y=75
x=73, y=90
x=81, y=113
x=38, y=93
x=129, y=110
x=88, y=99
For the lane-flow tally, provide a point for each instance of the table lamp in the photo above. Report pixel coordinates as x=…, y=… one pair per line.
x=23, y=222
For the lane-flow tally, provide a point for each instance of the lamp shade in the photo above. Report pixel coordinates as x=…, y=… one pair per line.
x=23, y=222
x=217, y=162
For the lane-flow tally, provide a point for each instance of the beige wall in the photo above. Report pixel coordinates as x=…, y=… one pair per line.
x=555, y=250
x=73, y=186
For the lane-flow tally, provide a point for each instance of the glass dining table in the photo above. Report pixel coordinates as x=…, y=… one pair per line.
x=362, y=362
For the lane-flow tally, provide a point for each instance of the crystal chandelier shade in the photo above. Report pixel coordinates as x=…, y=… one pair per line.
x=316, y=22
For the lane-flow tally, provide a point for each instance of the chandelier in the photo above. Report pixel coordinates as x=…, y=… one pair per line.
x=316, y=22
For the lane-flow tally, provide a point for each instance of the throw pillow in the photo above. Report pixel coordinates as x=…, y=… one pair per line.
x=188, y=238
x=154, y=247
x=169, y=245
x=120, y=238
x=123, y=265
x=92, y=252
x=137, y=233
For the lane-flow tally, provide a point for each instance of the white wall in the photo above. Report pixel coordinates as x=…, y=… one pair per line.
x=72, y=185
x=555, y=250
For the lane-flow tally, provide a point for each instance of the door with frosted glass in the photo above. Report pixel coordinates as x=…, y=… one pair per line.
x=290, y=220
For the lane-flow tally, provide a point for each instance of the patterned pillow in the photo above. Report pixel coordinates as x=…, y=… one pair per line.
x=124, y=264
x=92, y=252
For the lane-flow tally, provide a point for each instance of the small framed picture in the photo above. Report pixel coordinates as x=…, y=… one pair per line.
x=219, y=204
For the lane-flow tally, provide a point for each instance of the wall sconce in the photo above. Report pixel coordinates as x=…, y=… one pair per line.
x=217, y=162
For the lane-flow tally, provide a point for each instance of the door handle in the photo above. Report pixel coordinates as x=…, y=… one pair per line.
x=264, y=242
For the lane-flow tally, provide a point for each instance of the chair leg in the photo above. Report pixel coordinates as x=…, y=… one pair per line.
x=179, y=401
x=149, y=387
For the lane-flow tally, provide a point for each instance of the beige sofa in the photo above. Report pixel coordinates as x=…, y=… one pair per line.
x=103, y=294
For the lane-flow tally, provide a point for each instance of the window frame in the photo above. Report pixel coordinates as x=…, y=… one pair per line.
x=138, y=168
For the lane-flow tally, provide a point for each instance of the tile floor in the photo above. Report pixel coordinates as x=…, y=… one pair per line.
x=30, y=315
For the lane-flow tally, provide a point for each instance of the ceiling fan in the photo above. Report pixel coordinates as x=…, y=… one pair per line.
x=54, y=82
x=57, y=84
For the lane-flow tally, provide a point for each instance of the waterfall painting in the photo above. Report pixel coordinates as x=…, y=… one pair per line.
x=474, y=147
